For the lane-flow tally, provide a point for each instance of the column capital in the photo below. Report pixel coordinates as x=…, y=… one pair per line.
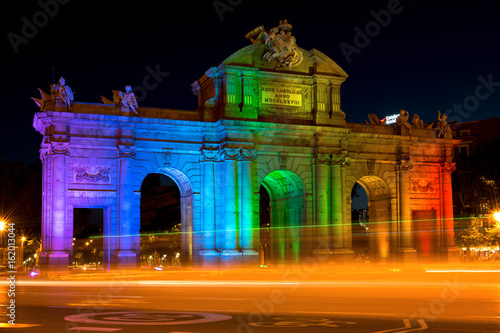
x=237, y=151
x=405, y=165
x=248, y=155
x=228, y=154
x=322, y=158
x=332, y=158
x=345, y=161
x=126, y=151
x=448, y=167
x=210, y=153
x=53, y=148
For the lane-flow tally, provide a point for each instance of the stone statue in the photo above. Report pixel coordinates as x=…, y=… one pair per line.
x=128, y=99
x=402, y=119
x=443, y=126
x=63, y=91
x=280, y=45
x=123, y=99
x=374, y=120
x=417, y=122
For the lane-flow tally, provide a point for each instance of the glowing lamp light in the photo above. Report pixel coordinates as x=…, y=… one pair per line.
x=2, y=225
x=159, y=268
x=496, y=216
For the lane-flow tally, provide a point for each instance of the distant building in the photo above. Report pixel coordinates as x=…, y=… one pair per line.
x=476, y=135
x=476, y=182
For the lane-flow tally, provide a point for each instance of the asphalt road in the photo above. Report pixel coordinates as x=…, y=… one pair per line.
x=291, y=301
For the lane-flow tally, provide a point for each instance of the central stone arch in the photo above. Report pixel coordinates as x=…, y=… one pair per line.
x=287, y=214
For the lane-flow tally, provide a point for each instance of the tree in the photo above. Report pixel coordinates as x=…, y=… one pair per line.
x=21, y=197
x=476, y=181
x=474, y=234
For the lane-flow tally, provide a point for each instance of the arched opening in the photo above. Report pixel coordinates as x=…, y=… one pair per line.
x=88, y=244
x=160, y=226
x=376, y=218
x=359, y=221
x=282, y=202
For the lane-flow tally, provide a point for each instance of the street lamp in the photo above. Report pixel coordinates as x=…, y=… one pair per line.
x=2, y=228
x=496, y=217
x=23, y=239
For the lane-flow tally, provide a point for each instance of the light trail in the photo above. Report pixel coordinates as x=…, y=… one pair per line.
x=463, y=271
x=243, y=284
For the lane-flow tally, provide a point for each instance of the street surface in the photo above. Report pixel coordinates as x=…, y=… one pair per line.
x=376, y=299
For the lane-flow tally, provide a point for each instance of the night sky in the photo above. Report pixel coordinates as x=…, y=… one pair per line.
x=429, y=56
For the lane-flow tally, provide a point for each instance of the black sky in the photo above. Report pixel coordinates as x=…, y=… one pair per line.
x=428, y=57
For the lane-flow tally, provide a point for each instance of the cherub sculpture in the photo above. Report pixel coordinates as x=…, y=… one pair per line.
x=443, y=124
x=63, y=91
x=402, y=119
x=124, y=99
x=128, y=99
x=417, y=122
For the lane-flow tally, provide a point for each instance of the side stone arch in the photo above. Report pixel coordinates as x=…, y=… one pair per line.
x=187, y=209
x=380, y=182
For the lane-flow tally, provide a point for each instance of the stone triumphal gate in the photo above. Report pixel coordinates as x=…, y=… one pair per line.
x=268, y=115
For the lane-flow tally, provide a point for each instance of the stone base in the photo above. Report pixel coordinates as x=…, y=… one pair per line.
x=407, y=255
x=250, y=258
x=209, y=259
x=230, y=259
x=402, y=130
x=450, y=254
x=126, y=259
x=54, y=263
x=330, y=122
x=322, y=255
x=342, y=256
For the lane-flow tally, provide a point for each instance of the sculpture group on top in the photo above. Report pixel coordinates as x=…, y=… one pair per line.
x=125, y=99
x=280, y=45
x=58, y=91
x=61, y=93
x=402, y=121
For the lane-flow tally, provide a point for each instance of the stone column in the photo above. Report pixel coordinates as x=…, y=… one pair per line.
x=340, y=231
x=407, y=251
x=394, y=228
x=336, y=205
x=248, y=228
x=55, y=254
x=232, y=210
x=322, y=246
x=126, y=256
x=346, y=204
x=209, y=154
x=450, y=253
